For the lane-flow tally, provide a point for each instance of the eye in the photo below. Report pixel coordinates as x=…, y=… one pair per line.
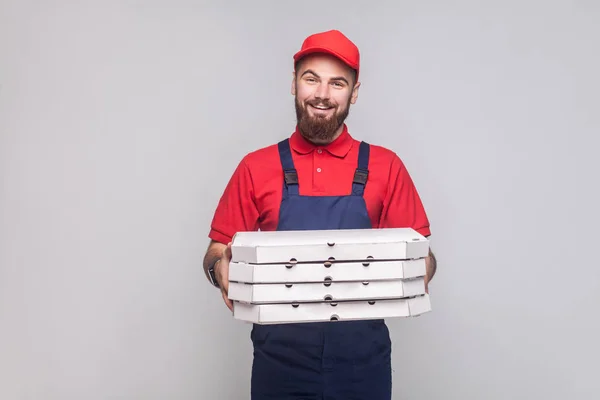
x=338, y=84
x=311, y=80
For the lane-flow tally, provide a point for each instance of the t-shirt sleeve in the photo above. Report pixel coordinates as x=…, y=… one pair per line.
x=403, y=207
x=236, y=210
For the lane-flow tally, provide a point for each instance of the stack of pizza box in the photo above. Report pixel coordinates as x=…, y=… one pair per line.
x=328, y=275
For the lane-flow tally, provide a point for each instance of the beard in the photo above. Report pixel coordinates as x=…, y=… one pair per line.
x=319, y=128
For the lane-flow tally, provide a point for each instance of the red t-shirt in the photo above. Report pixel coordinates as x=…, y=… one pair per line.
x=252, y=197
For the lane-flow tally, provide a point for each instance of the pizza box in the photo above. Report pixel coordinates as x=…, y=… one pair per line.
x=327, y=271
x=268, y=247
x=268, y=314
x=327, y=291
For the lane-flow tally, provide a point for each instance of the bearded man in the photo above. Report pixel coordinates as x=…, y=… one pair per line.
x=318, y=178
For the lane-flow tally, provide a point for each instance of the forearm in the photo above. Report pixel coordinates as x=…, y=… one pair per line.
x=431, y=265
x=213, y=253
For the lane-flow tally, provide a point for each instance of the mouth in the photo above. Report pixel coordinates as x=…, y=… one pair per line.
x=320, y=109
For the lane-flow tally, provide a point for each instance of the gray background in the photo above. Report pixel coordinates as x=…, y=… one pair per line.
x=121, y=122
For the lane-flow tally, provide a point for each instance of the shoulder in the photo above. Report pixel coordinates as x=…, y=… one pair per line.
x=382, y=153
x=262, y=156
x=260, y=164
x=381, y=157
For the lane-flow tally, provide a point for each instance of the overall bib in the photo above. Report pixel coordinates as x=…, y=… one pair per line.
x=340, y=360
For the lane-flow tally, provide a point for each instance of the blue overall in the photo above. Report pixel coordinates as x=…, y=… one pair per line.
x=327, y=360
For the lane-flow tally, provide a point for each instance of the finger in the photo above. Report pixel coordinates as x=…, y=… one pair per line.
x=228, y=302
x=225, y=285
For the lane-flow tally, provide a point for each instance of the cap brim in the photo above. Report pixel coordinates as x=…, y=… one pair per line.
x=313, y=50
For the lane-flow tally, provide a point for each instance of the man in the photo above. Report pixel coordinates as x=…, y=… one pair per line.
x=319, y=178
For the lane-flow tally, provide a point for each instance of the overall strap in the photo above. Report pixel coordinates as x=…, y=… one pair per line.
x=290, y=175
x=362, y=172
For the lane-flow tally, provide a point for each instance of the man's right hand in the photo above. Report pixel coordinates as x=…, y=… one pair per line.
x=222, y=275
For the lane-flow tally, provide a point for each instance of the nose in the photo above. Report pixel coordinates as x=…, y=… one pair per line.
x=322, y=91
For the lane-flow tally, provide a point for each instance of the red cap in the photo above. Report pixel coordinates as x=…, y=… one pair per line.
x=331, y=42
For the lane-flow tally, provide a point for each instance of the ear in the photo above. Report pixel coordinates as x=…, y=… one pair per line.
x=293, y=83
x=354, y=95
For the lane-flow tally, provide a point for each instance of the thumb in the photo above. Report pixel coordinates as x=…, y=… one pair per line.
x=227, y=251
x=227, y=301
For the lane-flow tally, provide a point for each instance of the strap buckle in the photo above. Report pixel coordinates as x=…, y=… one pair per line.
x=360, y=176
x=290, y=176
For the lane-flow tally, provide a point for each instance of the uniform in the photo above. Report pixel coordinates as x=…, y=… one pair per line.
x=252, y=197
x=296, y=185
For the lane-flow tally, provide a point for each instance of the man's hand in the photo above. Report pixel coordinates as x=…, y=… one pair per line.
x=222, y=274
x=431, y=267
x=222, y=254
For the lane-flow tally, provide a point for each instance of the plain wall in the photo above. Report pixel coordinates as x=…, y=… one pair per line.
x=121, y=122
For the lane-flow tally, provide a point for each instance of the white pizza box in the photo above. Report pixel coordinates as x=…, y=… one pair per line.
x=265, y=247
x=327, y=291
x=327, y=271
x=267, y=314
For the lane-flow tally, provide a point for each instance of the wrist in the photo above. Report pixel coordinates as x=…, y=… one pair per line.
x=212, y=273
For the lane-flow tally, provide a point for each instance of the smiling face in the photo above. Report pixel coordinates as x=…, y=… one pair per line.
x=324, y=88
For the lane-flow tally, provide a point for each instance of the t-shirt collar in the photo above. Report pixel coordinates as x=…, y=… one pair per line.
x=339, y=147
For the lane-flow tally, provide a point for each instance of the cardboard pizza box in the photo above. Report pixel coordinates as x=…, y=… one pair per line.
x=310, y=246
x=326, y=271
x=266, y=314
x=326, y=291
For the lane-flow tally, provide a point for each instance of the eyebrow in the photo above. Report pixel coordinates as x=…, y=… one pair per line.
x=335, y=78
